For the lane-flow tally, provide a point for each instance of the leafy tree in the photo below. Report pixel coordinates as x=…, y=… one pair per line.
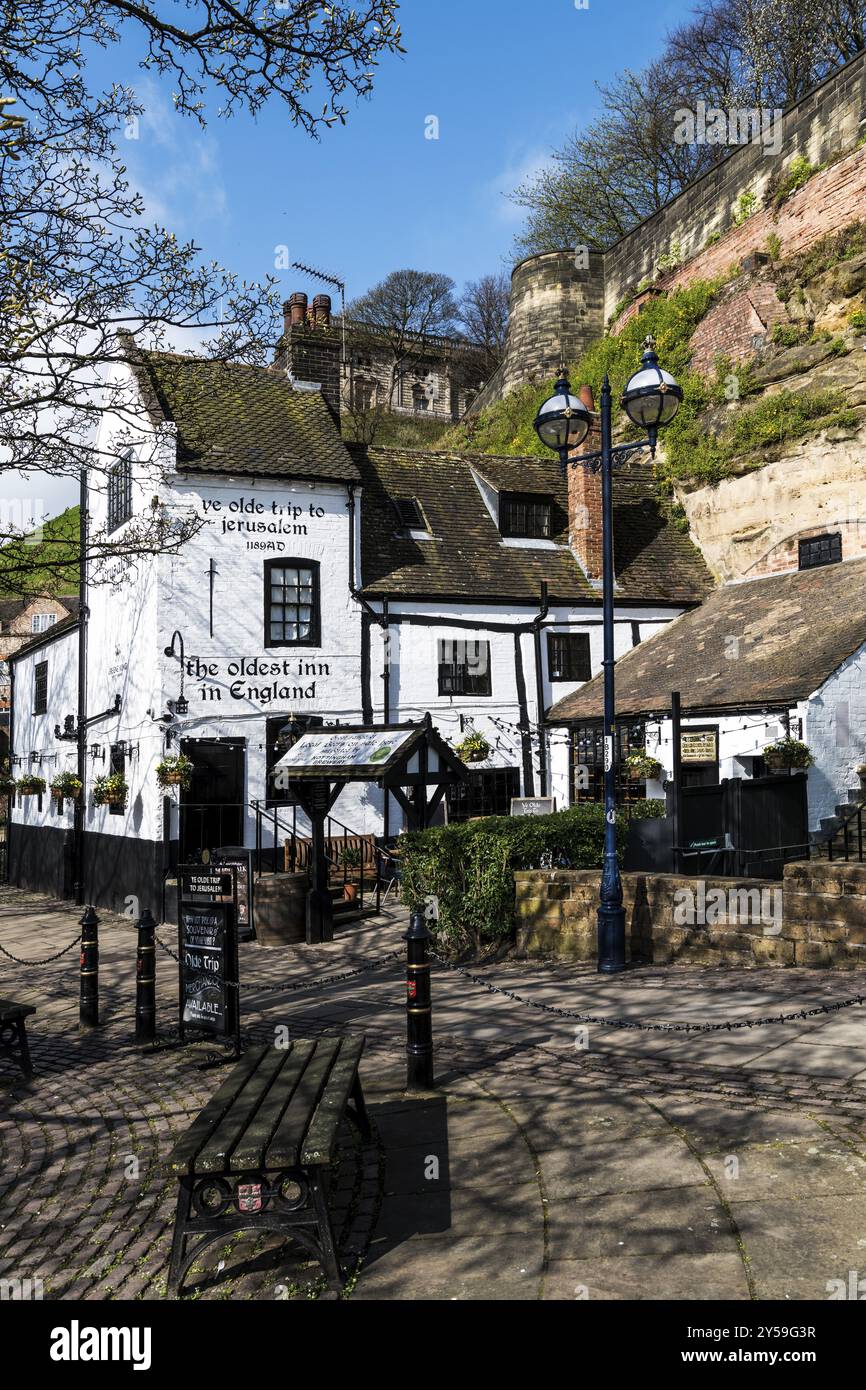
x=83, y=279
x=484, y=314
x=396, y=315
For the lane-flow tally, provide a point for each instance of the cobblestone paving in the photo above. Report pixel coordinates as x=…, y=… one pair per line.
x=643, y=1165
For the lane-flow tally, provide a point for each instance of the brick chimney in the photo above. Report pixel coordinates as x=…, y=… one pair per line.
x=585, y=529
x=309, y=349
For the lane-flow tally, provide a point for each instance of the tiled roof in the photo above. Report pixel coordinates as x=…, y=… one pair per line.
x=239, y=419
x=767, y=642
x=59, y=629
x=466, y=557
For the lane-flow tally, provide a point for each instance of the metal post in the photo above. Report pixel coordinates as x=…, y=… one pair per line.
x=88, y=1007
x=419, y=1016
x=676, y=737
x=611, y=917
x=145, y=979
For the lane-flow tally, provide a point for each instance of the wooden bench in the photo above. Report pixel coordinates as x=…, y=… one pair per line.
x=13, y=1034
x=257, y=1156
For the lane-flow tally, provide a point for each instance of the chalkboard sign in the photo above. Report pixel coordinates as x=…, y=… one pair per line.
x=240, y=860
x=207, y=952
x=533, y=805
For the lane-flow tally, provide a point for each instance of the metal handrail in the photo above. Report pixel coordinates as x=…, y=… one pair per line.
x=856, y=815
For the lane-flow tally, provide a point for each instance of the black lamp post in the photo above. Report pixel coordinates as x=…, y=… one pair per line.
x=651, y=398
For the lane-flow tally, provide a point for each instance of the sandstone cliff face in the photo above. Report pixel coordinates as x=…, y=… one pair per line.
x=750, y=524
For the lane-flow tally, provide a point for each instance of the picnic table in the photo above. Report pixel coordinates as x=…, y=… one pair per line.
x=258, y=1154
x=13, y=1034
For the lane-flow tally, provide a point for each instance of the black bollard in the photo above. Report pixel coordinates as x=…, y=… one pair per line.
x=88, y=1007
x=145, y=979
x=419, y=1016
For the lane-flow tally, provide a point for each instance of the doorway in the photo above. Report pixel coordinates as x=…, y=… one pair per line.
x=212, y=807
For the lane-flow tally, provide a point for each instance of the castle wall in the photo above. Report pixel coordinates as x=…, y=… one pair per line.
x=557, y=310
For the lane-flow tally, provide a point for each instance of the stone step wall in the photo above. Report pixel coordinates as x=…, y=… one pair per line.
x=815, y=917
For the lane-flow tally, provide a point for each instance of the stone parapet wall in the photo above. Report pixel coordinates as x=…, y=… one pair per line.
x=815, y=917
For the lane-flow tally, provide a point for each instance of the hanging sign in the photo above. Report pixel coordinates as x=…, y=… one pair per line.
x=207, y=952
x=369, y=749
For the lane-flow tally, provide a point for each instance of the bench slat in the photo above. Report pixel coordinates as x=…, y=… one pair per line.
x=214, y=1155
x=10, y=1012
x=285, y=1146
x=251, y=1148
x=319, y=1143
x=186, y=1148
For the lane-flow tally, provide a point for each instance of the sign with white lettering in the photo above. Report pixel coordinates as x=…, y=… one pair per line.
x=207, y=951
x=533, y=805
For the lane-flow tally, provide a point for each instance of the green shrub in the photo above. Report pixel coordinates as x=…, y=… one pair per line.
x=857, y=320
x=470, y=867
x=747, y=203
x=800, y=170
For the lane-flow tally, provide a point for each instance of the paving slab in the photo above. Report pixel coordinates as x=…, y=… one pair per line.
x=538, y=1169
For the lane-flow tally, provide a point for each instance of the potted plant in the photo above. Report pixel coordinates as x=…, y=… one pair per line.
x=861, y=773
x=351, y=859
x=66, y=784
x=788, y=752
x=111, y=790
x=474, y=748
x=640, y=767
x=28, y=785
x=175, y=771
x=7, y=782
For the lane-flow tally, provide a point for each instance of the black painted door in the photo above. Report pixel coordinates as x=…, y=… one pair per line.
x=212, y=807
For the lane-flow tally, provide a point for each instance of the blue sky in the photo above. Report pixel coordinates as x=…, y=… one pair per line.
x=507, y=81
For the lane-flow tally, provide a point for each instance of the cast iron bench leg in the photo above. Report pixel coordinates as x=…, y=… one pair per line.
x=178, y=1241
x=326, y=1232
x=360, y=1107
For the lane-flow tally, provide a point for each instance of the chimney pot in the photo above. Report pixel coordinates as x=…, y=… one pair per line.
x=297, y=307
x=322, y=310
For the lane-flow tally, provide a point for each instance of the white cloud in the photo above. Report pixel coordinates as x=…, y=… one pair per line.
x=520, y=168
x=175, y=166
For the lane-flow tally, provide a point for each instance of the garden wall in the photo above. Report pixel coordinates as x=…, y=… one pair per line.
x=817, y=917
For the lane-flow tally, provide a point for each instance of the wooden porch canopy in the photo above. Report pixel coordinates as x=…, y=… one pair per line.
x=411, y=761
x=401, y=758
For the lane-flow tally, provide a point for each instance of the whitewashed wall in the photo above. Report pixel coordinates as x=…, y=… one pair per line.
x=34, y=733
x=835, y=729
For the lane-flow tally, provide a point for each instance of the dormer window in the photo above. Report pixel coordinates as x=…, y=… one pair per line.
x=525, y=516
x=409, y=514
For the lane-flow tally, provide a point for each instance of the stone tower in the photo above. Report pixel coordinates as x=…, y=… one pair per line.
x=555, y=311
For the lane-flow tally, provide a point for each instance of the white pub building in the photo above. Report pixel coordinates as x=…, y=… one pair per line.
x=327, y=583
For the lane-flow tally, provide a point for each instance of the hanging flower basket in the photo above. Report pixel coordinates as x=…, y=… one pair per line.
x=788, y=752
x=110, y=791
x=7, y=785
x=639, y=767
x=66, y=785
x=175, y=772
x=474, y=748
x=30, y=786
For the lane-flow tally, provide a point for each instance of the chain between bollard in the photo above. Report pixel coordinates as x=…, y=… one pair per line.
x=45, y=960
x=729, y=1026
